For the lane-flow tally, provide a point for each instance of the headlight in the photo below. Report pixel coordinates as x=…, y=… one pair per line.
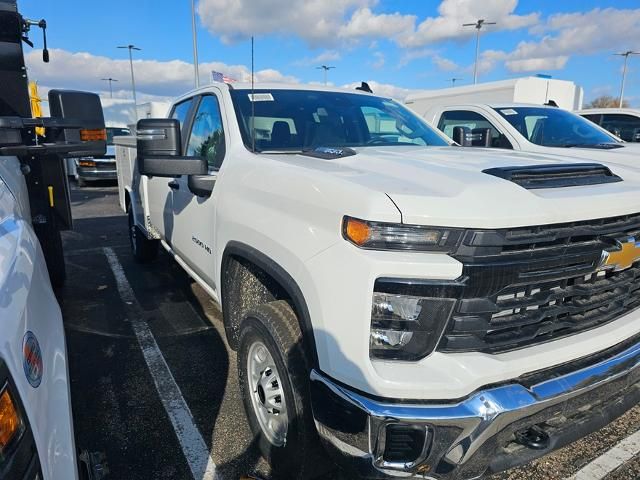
x=405, y=327
x=11, y=425
x=397, y=236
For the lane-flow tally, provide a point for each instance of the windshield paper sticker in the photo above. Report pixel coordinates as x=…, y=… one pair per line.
x=32, y=359
x=508, y=111
x=260, y=97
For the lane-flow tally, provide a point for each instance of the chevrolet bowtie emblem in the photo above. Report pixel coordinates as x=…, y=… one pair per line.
x=622, y=256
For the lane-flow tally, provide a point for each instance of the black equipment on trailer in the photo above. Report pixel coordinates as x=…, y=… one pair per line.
x=75, y=128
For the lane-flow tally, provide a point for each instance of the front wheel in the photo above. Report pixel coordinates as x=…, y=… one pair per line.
x=274, y=381
x=143, y=249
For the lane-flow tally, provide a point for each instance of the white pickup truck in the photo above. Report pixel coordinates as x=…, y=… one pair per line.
x=529, y=128
x=425, y=310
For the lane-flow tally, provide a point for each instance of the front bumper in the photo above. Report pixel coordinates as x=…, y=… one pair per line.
x=491, y=430
x=103, y=169
x=97, y=174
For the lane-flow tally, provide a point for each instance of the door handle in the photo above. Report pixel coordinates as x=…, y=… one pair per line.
x=173, y=185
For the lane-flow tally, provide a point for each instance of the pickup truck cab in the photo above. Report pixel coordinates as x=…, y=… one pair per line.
x=424, y=310
x=622, y=122
x=530, y=128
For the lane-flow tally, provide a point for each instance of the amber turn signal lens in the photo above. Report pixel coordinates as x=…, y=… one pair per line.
x=93, y=135
x=87, y=163
x=9, y=420
x=358, y=232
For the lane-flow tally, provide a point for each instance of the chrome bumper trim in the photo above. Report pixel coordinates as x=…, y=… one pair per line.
x=468, y=437
x=88, y=173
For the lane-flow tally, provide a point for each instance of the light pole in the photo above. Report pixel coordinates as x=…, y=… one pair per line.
x=325, y=69
x=453, y=81
x=110, y=80
x=624, y=71
x=133, y=79
x=195, y=44
x=478, y=26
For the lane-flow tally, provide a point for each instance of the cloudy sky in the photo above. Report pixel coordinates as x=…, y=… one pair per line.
x=396, y=45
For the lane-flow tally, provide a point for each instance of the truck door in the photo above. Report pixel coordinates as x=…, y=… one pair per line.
x=194, y=216
x=159, y=191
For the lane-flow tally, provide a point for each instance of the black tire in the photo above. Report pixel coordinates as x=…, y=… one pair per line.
x=275, y=325
x=51, y=243
x=143, y=249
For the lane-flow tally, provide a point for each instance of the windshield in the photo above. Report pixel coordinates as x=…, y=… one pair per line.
x=554, y=127
x=115, y=132
x=296, y=120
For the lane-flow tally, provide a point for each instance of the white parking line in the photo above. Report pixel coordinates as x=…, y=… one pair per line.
x=193, y=445
x=610, y=460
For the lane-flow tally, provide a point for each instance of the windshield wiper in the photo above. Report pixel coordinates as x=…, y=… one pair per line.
x=601, y=146
x=280, y=152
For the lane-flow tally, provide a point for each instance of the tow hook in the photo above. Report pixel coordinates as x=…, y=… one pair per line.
x=533, y=437
x=93, y=465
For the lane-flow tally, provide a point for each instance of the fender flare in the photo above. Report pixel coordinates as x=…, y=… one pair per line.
x=280, y=275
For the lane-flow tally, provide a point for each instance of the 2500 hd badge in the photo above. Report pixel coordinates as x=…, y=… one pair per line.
x=201, y=244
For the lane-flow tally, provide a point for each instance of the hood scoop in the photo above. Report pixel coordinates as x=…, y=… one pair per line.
x=329, y=153
x=555, y=176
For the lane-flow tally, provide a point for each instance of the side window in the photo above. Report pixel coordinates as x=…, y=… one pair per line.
x=477, y=125
x=207, y=136
x=595, y=118
x=627, y=127
x=180, y=112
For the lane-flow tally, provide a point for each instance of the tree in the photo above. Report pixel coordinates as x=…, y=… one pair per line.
x=606, y=101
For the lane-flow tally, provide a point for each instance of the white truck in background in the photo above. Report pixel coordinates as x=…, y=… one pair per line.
x=530, y=128
x=422, y=310
x=151, y=110
x=533, y=90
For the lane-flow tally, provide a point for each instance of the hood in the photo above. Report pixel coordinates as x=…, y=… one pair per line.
x=446, y=186
x=13, y=187
x=627, y=156
x=10, y=230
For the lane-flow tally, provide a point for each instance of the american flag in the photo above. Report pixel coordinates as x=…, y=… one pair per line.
x=220, y=77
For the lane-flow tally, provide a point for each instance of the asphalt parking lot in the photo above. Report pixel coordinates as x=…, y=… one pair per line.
x=118, y=409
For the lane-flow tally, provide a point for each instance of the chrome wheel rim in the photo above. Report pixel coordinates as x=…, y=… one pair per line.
x=267, y=395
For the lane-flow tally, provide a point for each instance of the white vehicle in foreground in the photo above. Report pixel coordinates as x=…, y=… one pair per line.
x=36, y=426
x=623, y=122
x=530, y=128
x=427, y=311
